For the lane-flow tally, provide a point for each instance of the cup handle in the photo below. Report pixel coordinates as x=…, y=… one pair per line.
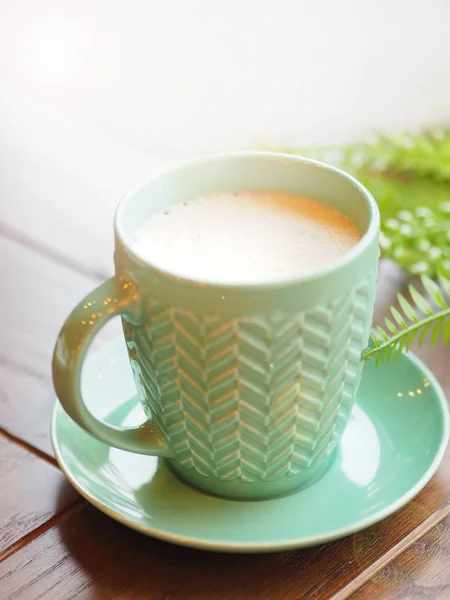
x=116, y=296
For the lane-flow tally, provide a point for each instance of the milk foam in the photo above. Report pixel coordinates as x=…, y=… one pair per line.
x=245, y=237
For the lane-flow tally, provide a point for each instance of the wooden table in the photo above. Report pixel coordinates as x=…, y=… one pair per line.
x=59, y=184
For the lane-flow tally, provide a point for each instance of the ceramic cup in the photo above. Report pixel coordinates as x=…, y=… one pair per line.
x=246, y=388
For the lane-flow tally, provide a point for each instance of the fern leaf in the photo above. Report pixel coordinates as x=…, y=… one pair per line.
x=410, y=326
x=382, y=335
x=376, y=341
x=392, y=352
x=390, y=325
x=400, y=346
x=436, y=331
x=423, y=333
x=420, y=301
x=410, y=339
x=398, y=317
x=366, y=353
x=444, y=282
x=435, y=293
x=409, y=311
x=446, y=332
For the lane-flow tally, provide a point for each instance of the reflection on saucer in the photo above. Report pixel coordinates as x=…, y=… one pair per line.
x=136, y=472
x=137, y=469
x=360, y=449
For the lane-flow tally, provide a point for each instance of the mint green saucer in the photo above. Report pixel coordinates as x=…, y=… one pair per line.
x=393, y=444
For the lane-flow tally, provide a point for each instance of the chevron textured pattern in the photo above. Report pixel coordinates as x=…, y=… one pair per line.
x=362, y=313
x=252, y=398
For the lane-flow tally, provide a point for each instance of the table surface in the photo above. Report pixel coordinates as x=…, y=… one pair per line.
x=70, y=146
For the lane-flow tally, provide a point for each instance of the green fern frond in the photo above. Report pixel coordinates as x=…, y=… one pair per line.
x=407, y=323
x=405, y=156
x=423, y=155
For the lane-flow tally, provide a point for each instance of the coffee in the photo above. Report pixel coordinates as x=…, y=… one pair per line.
x=245, y=237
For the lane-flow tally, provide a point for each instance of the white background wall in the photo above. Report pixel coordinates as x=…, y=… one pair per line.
x=178, y=77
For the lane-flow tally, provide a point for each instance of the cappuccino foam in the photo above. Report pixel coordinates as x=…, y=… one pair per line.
x=245, y=237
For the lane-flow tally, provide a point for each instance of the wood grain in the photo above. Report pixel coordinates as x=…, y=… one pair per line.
x=26, y=402
x=420, y=573
x=37, y=294
x=60, y=180
x=71, y=561
x=31, y=493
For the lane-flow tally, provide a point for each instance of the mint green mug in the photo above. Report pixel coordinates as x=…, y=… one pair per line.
x=246, y=388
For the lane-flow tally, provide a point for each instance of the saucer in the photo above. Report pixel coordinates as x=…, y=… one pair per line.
x=393, y=444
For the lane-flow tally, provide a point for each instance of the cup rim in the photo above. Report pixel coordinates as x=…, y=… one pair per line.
x=359, y=248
